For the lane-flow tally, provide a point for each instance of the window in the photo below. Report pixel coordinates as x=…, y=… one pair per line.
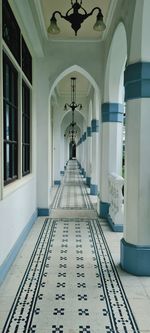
x=11, y=31
x=10, y=102
x=25, y=129
x=26, y=61
x=14, y=91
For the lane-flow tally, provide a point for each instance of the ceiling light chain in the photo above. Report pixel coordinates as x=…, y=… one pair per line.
x=73, y=106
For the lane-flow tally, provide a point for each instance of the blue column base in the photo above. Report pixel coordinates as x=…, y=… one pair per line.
x=113, y=226
x=84, y=175
x=88, y=181
x=43, y=211
x=62, y=173
x=104, y=209
x=57, y=182
x=135, y=259
x=93, y=189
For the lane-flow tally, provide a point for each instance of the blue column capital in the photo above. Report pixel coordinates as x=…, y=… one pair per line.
x=84, y=137
x=95, y=125
x=88, y=131
x=137, y=80
x=112, y=112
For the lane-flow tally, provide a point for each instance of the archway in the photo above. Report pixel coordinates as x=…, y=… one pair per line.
x=83, y=124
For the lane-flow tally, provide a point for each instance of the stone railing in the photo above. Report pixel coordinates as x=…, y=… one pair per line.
x=116, y=208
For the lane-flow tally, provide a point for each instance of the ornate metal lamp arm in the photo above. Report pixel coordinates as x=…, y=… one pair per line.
x=76, y=18
x=92, y=11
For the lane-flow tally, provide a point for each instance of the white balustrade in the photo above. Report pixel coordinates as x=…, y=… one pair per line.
x=116, y=209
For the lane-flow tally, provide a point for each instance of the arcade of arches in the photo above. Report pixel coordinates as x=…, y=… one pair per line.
x=89, y=183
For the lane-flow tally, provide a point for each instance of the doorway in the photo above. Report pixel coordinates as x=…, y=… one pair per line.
x=72, y=150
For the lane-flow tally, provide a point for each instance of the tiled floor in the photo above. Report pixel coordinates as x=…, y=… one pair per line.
x=70, y=282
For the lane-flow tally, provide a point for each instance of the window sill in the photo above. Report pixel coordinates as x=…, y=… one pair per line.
x=12, y=187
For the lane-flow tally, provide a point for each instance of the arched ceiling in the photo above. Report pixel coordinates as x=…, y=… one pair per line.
x=82, y=86
x=83, y=90
x=86, y=32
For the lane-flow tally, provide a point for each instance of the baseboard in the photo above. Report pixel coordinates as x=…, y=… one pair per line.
x=43, y=211
x=93, y=189
x=104, y=209
x=57, y=182
x=88, y=181
x=4, y=268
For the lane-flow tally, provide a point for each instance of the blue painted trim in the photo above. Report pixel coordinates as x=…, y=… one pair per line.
x=4, y=268
x=93, y=189
x=104, y=209
x=135, y=259
x=137, y=80
x=84, y=137
x=57, y=182
x=62, y=173
x=89, y=131
x=84, y=174
x=94, y=126
x=113, y=226
x=112, y=112
x=88, y=181
x=43, y=211
x=79, y=142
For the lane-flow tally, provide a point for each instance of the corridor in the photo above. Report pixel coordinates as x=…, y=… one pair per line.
x=70, y=283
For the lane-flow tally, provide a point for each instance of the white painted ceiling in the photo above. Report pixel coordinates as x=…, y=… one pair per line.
x=86, y=31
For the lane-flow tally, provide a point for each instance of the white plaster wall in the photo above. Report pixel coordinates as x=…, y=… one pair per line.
x=51, y=147
x=18, y=204
x=43, y=130
x=57, y=143
x=140, y=48
x=124, y=13
x=15, y=212
x=88, y=56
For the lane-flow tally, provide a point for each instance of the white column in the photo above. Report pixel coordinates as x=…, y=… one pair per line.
x=84, y=154
x=95, y=155
x=111, y=150
x=89, y=156
x=135, y=246
x=56, y=149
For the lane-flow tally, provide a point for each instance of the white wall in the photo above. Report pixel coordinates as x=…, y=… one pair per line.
x=18, y=206
x=16, y=211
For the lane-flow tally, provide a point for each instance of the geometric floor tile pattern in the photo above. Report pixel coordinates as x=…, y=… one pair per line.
x=72, y=194
x=71, y=284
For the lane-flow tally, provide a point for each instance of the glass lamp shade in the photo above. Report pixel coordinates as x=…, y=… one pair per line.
x=53, y=27
x=99, y=25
